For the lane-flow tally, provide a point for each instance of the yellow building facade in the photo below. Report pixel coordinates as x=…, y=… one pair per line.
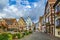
x=22, y=24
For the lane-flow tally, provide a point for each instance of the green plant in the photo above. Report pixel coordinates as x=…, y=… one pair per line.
x=13, y=36
x=5, y=36
x=1, y=37
x=18, y=35
x=30, y=31
x=26, y=32
x=10, y=37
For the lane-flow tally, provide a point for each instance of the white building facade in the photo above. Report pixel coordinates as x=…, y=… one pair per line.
x=29, y=23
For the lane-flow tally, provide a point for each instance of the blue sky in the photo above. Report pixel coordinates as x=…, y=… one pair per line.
x=22, y=8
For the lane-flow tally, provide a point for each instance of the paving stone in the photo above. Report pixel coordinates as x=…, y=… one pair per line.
x=39, y=36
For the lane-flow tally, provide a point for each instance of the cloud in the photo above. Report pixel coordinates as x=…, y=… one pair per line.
x=28, y=6
x=23, y=9
x=3, y=3
x=35, y=4
x=24, y=2
x=13, y=11
x=2, y=15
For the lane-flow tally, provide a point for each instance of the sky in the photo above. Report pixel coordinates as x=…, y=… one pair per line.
x=22, y=8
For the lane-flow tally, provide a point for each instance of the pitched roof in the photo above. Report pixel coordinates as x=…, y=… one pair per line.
x=10, y=21
x=22, y=19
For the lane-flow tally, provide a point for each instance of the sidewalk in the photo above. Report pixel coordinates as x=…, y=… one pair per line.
x=52, y=36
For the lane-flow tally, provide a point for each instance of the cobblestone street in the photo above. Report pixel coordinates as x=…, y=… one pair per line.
x=39, y=36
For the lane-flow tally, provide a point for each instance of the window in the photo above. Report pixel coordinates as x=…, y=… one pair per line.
x=46, y=19
x=57, y=8
x=58, y=23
